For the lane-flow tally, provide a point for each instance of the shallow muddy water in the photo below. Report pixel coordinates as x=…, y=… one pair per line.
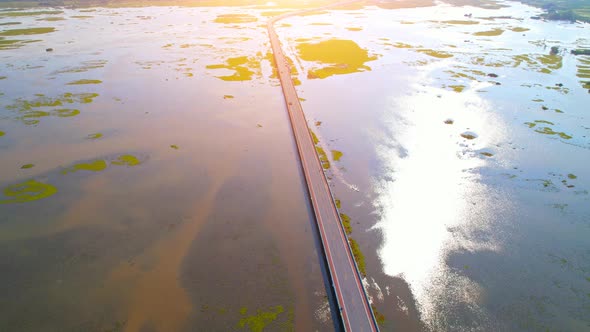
x=149, y=180
x=149, y=176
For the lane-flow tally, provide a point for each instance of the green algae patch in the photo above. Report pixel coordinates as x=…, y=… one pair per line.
x=336, y=155
x=435, y=54
x=84, y=82
x=174, y=146
x=37, y=13
x=30, y=190
x=314, y=137
x=551, y=132
x=519, y=29
x=65, y=112
x=323, y=157
x=93, y=166
x=379, y=317
x=359, y=257
x=27, y=166
x=259, y=321
x=2, y=133
x=572, y=176
x=82, y=16
x=489, y=33
x=457, y=88
x=94, y=136
x=11, y=44
x=26, y=32
x=84, y=67
x=51, y=19
x=340, y=56
x=242, y=67
x=338, y=204
x=126, y=160
x=460, y=22
x=346, y=223
x=235, y=18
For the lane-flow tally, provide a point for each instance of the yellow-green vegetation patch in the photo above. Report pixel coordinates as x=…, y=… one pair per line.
x=228, y=97
x=27, y=166
x=51, y=19
x=94, y=136
x=93, y=166
x=273, y=13
x=583, y=67
x=11, y=44
x=174, y=146
x=126, y=160
x=457, y=88
x=65, y=112
x=549, y=131
x=314, y=137
x=242, y=66
x=519, y=29
x=259, y=321
x=379, y=317
x=82, y=16
x=541, y=63
x=336, y=155
x=490, y=33
x=26, y=32
x=84, y=82
x=275, y=74
x=84, y=67
x=338, y=204
x=2, y=133
x=469, y=135
x=323, y=157
x=235, y=18
x=354, y=29
x=340, y=56
x=30, y=190
x=435, y=54
x=37, y=13
x=10, y=23
x=358, y=256
x=572, y=176
x=346, y=223
x=460, y=22
x=29, y=111
x=320, y=23
x=402, y=45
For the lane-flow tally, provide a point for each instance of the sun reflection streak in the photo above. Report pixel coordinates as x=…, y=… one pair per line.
x=431, y=186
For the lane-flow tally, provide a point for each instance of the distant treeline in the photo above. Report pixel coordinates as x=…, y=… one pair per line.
x=563, y=10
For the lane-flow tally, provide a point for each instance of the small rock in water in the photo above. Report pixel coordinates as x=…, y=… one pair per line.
x=492, y=75
x=559, y=85
x=49, y=49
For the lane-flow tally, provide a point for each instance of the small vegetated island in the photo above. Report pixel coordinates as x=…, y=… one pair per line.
x=563, y=10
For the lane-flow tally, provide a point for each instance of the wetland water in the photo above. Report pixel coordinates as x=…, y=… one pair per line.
x=150, y=181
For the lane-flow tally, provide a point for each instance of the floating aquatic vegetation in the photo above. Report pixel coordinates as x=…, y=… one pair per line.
x=320, y=23
x=235, y=18
x=294, y=72
x=93, y=166
x=469, y=135
x=259, y=321
x=29, y=111
x=126, y=160
x=11, y=44
x=10, y=23
x=228, y=97
x=26, y=32
x=519, y=29
x=435, y=54
x=94, y=136
x=174, y=146
x=354, y=29
x=30, y=190
x=84, y=67
x=81, y=16
x=358, y=256
x=2, y=133
x=340, y=56
x=242, y=66
x=27, y=166
x=83, y=82
x=51, y=19
x=490, y=33
x=323, y=157
x=37, y=13
x=460, y=22
x=549, y=131
x=457, y=88
x=336, y=155
x=346, y=223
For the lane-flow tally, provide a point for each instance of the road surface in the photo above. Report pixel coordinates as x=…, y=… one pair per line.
x=355, y=311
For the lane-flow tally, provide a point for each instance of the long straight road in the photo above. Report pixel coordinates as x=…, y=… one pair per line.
x=355, y=311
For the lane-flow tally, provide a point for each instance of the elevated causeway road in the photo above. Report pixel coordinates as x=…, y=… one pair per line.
x=355, y=311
